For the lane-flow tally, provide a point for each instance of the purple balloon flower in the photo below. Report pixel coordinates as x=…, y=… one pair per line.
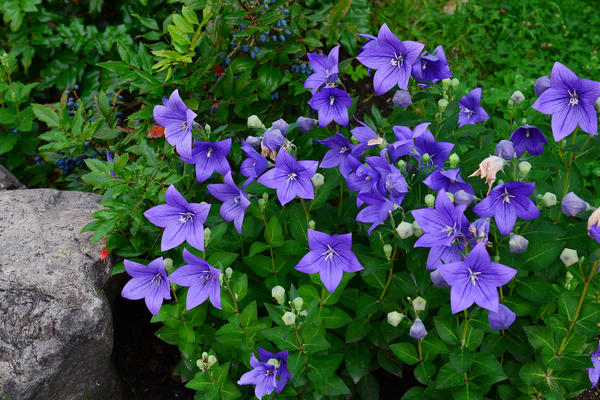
x=326, y=69
x=570, y=100
x=417, y=329
x=332, y=104
x=109, y=158
x=448, y=180
x=148, y=282
x=305, y=124
x=273, y=139
x=330, y=256
x=502, y=319
x=439, y=255
x=282, y=371
x=209, y=157
x=177, y=119
x=505, y=149
x=475, y=280
x=337, y=156
x=528, y=138
x=378, y=209
x=572, y=204
x=594, y=373
x=253, y=166
x=594, y=232
x=402, y=98
x=404, y=145
x=366, y=136
x=263, y=376
x=182, y=220
x=234, y=201
x=392, y=58
x=425, y=144
x=431, y=67
x=541, y=85
x=281, y=125
x=290, y=178
x=471, y=111
x=202, y=280
x=506, y=202
x=479, y=229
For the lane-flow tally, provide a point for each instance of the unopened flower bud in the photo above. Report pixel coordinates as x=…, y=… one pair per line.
x=289, y=318
x=417, y=229
x=510, y=103
x=572, y=205
x=207, y=233
x=394, y=318
x=549, y=199
x=211, y=361
x=446, y=83
x=442, y=105
x=524, y=168
x=228, y=272
x=265, y=196
x=207, y=129
x=517, y=97
x=430, y=200
x=462, y=198
x=517, y=243
x=496, y=258
x=168, y=264
x=454, y=83
x=298, y=302
x=437, y=279
x=254, y=141
x=255, y=123
x=281, y=125
x=278, y=293
x=400, y=164
x=541, y=85
x=425, y=158
x=312, y=224
x=569, y=257
x=568, y=278
x=318, y=180
x=221, y=279
x=303, y=313
x=523, y=121
x=404, y=230
x=402, y=98
x=387, y=250
x=305, y=124
x=262, y=203
x=505, y=149
x=419, y=303
x=417, y=330
x=454, y=159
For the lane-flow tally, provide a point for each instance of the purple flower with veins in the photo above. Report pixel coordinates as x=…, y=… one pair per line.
x=471, y=111
x=273, y=139
x=425, y=144
x=254, y=165
x=448, y=180
x=378, y=209
x=332, y=104
x=392, y=58
x=442, y=225
x=366, y=136
x=594, y=232
x=528, y=138
x=594, y=373
x=282, y=371
x=417, y=329
x=439, y=255
x=572, y=204
x=502, y=319
x=290, y=178
x=201, y=278
x=337, y=156
x=326, y=69
x=281, y=125
x=305, y=124
x=148, y=282
x=209, y=157
x=363, y=179
x=404, y=145
x=479, y=229
x=475, y=280
x=570, y=100
x=234, y=201
x=395, y=185
x=330, y=256
x=262, y=376
x=431, y=67
x=541, y=85
x=182, y=220
x=506, y=202
x=177, y=119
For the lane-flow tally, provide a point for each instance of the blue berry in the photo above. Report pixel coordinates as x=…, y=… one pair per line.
x=67, y=91
x=76, y=87
x=86, y=144
x=282, y=38
x=282, y=23
x=120, y=97
x=287, y=32
x=242, y=26
x=266, y=7
x=286, y=11
x=110, y=92
x=14, y=131
x=227, y=61
x=256, y=49
x=245, y=48
x=281, y=7
x=94, y=154
x=252, y=55
x=93, y=117
x=119, y=113
x=274, y=38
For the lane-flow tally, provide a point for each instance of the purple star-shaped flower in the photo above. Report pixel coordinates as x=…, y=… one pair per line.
x=201, y=278
x=439, y=255
x=366, y=136
x=502, y=319
x=290, y=178
x=273, y=139
x=209, y=157
x=234, y=201
x=441, y=225
x=262, y=375
x=475, y=280
x=392, y=58
x=326, y=69
x=570, y=100
x=431, y=67
x=337, y=156
x=254, y=165
x=332, y=104
x=330, y=256
x=282, y=371
x=594, y=373
x=471, y=111
x=182, y=220
x=506, y=202
x=425, y=144
x=148, y=282
x=448, y=180
x=528, y=138
x=404, y=145
x=378, y=209
x=177, y=119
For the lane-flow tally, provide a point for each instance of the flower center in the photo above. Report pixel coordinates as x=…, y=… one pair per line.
x=344, y=149
x=185, y=125
x=424, y=64
x=292, y=176
x=468, y=112
x=331, y=100
x=506, y=196
x=329, y=253
x=450, y=229
x=157, y=279
x=574, y=100
x=473, y=276
x=209, y=151
x=236, y=199
x=527, y=132
x=398, y=60
x=186, y=216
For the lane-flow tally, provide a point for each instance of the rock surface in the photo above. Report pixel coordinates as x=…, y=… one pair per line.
x=8, y=180
x=56, y=333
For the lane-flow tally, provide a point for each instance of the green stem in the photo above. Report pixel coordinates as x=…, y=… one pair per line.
x=274, y=270
x=305, y=211
x=298, y=337
x=464, y=334
x=420, y=350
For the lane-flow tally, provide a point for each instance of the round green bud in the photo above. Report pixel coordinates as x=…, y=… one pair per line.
x=289, y=318
x=387, y=250
x=454, y=159
x=442, y=105
x=430, y=200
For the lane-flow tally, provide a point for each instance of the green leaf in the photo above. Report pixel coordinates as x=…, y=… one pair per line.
x=7, y=143
x=424, y=372
x=222, y=259
x=405, y=352
x=448, y=377
x=357, y=329
x=47, y=115
x=486, y=364
x=446, y=329
x=461, y=359
x=334, y=317
x=532, y=373
x=274, y=233
x=587, y=322
x=541, y=337
x=357, y=357
x=366, y=305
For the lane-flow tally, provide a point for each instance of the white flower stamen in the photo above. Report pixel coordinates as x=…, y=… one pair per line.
x=185, y=217
x=398, y=60
x=473, y=276
x=292, y=176
x=329, y=253
x=574, y=100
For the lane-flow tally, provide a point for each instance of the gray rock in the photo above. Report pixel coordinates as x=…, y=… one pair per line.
x=8, y=180
x=56, y=334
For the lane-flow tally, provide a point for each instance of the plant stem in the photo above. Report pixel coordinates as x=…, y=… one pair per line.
x=464, y=334
x=298, y=337
x=420, y=350
x=270, y=241
x=305, y=211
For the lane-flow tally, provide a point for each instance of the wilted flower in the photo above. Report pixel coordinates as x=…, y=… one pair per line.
x=488, y=169
x=471, y=111
x=417, y=329
x=402, y=98
x=505, y=149
x=148, y=282
x=332, y=104
x=569, y=257
x=541, y=85
x=305, y=124
x=202, y=280
x=517, y=243
x=570, y=100
x=480, y=229
x=178, y=120
x=431, y=67
x=502, y=319
x=235, y=201
x=326, y=69
x=394, y=318
x=572, y=205
x=528, y=138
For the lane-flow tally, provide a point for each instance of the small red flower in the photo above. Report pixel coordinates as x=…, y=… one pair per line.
x=103, y=254
x=156, y=131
